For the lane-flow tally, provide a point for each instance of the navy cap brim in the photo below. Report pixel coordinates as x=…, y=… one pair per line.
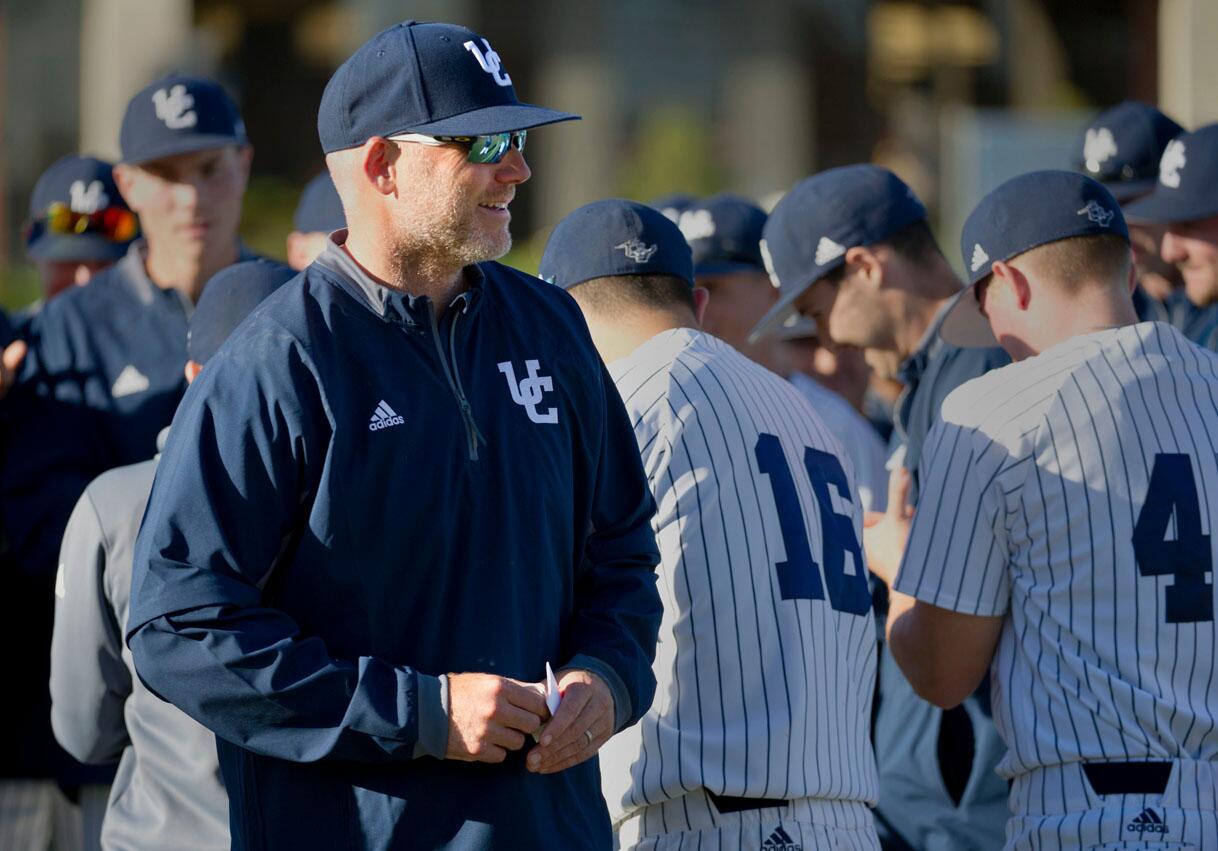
x=797, y=328
x=725, y=267
x=80, y=248
x=964, y=325
x=491, y=119
x=184, y=145
x=1161, y=207
x=781, y=311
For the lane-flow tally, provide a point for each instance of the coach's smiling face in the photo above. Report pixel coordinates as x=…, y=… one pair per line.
x=417, y=214
x=451, y=207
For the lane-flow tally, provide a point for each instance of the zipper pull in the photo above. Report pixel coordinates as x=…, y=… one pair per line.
x=472, y=433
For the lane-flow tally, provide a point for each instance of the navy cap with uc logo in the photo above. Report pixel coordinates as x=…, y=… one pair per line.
x=432, y=78
x=77, y=213
x=615, y=237
x=810, y=230
x=1025, y=212
x=1187, y=189
x=179, y=114
x=1122, y=146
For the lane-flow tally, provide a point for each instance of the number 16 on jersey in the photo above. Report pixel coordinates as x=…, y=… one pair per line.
x=799, y=577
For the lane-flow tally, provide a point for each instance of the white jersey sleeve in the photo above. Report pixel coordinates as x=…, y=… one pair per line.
x=957, y=553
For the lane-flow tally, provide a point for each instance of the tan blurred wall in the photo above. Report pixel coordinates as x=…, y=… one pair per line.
x=769, y=134
x=1188, y=60
x=125, y=44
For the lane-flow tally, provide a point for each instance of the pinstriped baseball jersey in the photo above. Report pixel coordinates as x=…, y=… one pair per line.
x=1079, y=490
x=766, y=659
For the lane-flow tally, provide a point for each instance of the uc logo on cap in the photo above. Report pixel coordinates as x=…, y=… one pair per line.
x=1173, y=160
x=490, y=61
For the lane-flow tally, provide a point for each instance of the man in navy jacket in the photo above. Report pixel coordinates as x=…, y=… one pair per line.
x=402, y=487
x=104, y=374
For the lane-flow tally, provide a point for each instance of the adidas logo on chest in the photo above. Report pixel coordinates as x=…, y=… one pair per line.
x=384, y=417
x=129, y=382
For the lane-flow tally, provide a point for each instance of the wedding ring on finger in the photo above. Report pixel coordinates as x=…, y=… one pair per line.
x=588, y=736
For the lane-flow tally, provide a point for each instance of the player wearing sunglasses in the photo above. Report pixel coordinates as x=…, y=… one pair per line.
x=78, y=224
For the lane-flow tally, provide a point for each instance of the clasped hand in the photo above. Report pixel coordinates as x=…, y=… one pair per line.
x=490, y=715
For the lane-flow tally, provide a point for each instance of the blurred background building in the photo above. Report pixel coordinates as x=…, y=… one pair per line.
x=688, y=95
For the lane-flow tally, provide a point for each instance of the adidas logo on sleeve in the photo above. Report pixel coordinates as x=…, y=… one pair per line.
x=384, y=417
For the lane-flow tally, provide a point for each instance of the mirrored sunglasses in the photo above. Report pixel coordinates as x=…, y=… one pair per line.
x=490, y=148
x=115, y=224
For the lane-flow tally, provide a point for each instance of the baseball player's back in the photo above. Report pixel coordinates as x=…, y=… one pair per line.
x=1079, y=489
x=767, y=651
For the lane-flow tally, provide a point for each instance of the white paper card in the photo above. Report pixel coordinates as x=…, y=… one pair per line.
x=553, y=698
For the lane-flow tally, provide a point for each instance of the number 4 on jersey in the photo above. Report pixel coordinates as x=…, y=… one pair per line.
x=799, y=576
x=1172, y=494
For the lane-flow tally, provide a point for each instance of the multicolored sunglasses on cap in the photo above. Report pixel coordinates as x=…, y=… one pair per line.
x=115, y=224
x=490, y=148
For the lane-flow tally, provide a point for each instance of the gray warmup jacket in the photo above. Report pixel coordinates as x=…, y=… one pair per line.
x=168, y=793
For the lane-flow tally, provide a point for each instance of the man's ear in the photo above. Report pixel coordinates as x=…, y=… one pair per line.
x=1011, y=282
x=701, y=300
x=124, y=179
x=246, y=154
x=863, y=260
x=1133, y=273
x=379, y=157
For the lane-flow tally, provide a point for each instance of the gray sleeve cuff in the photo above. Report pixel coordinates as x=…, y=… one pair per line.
x=621, y=697
x=433, y=716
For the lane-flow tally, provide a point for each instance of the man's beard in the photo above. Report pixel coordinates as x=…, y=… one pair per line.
x=449, y=238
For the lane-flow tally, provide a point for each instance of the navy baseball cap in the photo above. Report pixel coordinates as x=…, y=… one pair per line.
x=77, y=213
x=431, y=78
x=319, y=208
x=724, y=233
x=673, y=204
x=808, y=233
x=1122, y=146
x=1025, y=212
x=179, y=115
x=615, y=237
x=229, y=297
x=1187, y=188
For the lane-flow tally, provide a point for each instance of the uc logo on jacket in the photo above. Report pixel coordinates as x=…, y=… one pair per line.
x=529, y=391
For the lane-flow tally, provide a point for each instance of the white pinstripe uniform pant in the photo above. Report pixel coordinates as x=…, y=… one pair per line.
x=807, y=824
x=1058, y=809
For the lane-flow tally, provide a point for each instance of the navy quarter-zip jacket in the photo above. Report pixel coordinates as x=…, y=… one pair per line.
x=359, y=496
